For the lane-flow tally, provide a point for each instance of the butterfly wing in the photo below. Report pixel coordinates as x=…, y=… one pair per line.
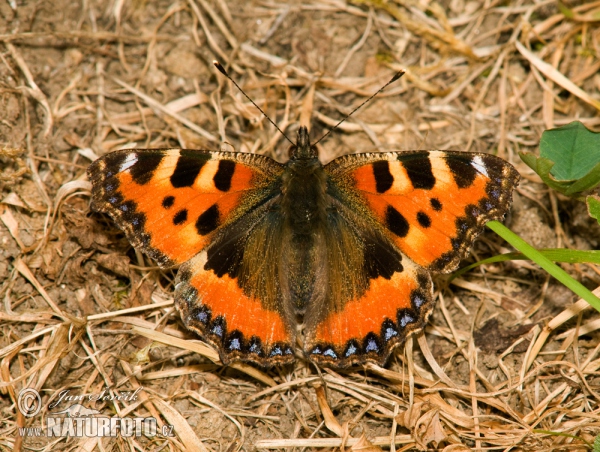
x=370, y=296
x=231, y=292
x=431, y=203
x=393, y=218
x=205, y=210
x=170, y=202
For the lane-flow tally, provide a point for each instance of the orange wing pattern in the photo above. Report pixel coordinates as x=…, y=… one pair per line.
x=410, y=213
x=242, y=326
x=170, y=202
x=432, y=203
x=197, y=208
x=381, y=299
x=231, y=292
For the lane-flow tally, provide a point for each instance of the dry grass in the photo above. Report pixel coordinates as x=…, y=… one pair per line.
x=85, y=312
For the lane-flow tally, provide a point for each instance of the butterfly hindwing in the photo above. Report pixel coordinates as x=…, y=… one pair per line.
x=374, y=296
x=231, y=294
x=432, y=203
x=169, y=202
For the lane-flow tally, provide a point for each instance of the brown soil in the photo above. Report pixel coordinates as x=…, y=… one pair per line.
x=79, y=79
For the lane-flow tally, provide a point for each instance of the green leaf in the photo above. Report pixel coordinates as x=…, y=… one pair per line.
x=573, y=148
x=569, y=160
x=587, y=182
x=593, y=205
x=542, y=166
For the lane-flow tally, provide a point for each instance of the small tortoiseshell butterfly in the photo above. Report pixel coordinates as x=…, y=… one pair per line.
x=348, y=245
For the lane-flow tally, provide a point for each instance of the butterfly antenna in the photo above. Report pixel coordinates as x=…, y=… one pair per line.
x=224, y=72
x=392, y=80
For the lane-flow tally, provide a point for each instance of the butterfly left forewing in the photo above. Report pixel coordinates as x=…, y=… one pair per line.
x=208, y=211
x=169, y=202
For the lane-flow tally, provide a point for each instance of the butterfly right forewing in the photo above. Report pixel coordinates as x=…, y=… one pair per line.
x=432, y=203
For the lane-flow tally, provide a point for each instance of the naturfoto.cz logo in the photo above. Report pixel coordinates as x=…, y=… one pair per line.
x=77, y=420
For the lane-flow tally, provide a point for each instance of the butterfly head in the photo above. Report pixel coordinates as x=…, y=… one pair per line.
x=303, y=150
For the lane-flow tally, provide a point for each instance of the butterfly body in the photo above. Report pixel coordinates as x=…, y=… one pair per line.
x=348, y=246
x=304, y=210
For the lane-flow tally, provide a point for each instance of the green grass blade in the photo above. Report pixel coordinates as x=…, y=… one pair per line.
x=554, y=254
x=553, y=269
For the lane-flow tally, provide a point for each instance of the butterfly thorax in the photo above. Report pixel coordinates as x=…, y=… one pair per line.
x=304, y=188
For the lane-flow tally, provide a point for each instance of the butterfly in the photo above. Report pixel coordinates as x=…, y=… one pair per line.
x=347, y=247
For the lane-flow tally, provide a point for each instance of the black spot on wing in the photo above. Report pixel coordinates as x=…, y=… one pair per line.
x=463, y=224
x=188, y=167
x=423, y=219
x=218, y=328
x=234, y=342
x=208, y=221
x=143, y=170
x=486, y=205
x=494, y=193
x=180, y=217
x=457, y=244
x=418, y=298
x=201, y=313
x=396, y=222
x=418, y=169
x=111, y=185
x=115, y=199
x=316, y=350
x=168, y=201
x=406, y=317
x=383, y=177
x=255, y=346
x=352, y=348
x=435, y=204
x=462, y=170
x=389, y=330
x=381, y=259
x=372, y=344
x=222, y=178
x=472, y=210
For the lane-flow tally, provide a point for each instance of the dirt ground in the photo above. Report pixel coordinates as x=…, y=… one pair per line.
x=507, y=362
